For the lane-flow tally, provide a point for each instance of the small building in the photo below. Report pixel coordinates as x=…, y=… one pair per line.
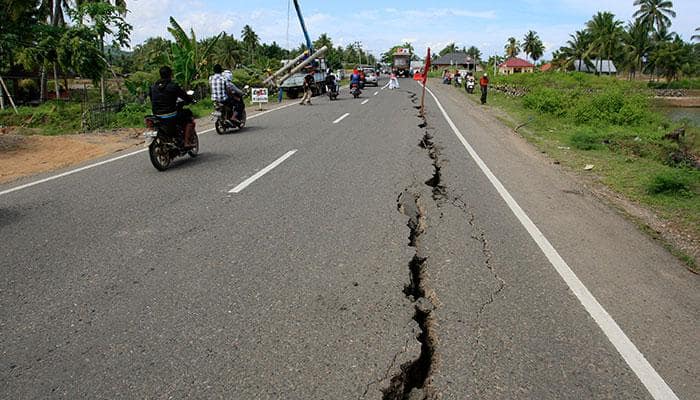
x=595, y=66
x=457, y=60
x=515, y=65
x=546, y=67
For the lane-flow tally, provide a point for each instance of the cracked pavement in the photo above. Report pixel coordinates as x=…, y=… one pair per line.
x=376, y=263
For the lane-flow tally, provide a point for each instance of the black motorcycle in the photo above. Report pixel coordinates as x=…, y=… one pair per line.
x=222, y=115
x=168, y=139
x=332, y=91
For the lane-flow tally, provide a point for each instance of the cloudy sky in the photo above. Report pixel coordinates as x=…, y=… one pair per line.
x=379, y=25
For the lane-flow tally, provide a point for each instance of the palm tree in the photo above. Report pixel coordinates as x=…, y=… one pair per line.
x=323, y=40
x=475, y=54
x=655, y=14
x=638, y=44
x=512, y=47
x=188, y=59
x=530, y=42
x=606, y=35
x=251, y=40
x=695, y=37
x=576, y=49
x=537, y=50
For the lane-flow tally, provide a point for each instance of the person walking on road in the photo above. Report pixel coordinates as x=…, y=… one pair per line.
x=393, y=82
x=484, y=83
x=308, y=81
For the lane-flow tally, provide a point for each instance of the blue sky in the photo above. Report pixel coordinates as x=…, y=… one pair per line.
x=378, y=25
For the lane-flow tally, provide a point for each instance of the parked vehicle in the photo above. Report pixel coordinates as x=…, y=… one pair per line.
x=294, y=85
x=167, y=140
x=371, y=77
x=401, y=63
x=469, y=84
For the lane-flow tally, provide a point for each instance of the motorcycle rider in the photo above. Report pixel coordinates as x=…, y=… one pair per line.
x=220, y=89
x=164, y=94
x=331, y=82
x=355, y=78
x=235, y=94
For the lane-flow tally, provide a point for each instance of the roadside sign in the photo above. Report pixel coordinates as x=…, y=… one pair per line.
x=259, y=95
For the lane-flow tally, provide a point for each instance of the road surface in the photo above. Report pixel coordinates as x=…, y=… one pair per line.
x=345, y=250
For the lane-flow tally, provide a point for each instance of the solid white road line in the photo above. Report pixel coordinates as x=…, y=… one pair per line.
x=655, y=384
x=73, y=171
x=364, y=102
x=262, y=172
x=341, y=118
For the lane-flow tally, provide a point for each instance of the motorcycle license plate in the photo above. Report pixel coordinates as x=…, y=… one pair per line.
x=150, y=134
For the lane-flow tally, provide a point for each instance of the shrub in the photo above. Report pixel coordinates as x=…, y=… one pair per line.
x=546, y=101
x=673, y=182
x=587, y=139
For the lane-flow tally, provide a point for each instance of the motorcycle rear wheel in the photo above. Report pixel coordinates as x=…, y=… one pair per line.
x=159, y=155
x=219, y=126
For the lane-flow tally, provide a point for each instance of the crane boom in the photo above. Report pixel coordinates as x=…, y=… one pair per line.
x=309, y=45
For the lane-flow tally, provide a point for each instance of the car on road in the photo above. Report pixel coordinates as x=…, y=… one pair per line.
x=371, y=77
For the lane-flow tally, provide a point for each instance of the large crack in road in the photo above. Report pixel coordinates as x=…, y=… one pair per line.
x=413, y=380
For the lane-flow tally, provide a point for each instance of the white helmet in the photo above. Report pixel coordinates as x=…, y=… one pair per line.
x=228, y=75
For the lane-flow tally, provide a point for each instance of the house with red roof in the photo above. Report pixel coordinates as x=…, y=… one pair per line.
x=515, y=65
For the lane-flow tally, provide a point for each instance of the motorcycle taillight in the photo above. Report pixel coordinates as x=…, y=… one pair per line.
x=148, y=122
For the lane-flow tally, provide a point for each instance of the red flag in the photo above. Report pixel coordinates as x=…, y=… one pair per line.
x=427, y=67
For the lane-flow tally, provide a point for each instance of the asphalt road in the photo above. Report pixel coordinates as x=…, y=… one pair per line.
x=377, y=260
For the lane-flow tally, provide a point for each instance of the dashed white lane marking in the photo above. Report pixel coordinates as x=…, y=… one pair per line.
x=342, y=117
x=375, y=93
x=364, y=102
x=74, y=171
x=262, y=172
x=655, y=384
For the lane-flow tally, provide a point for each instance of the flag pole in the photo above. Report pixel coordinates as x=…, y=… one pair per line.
x=425, y=82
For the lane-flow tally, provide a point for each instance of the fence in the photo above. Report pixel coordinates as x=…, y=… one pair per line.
x=100, y=116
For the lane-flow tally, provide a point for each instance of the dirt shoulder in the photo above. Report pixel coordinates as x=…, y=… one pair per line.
x=26, y=155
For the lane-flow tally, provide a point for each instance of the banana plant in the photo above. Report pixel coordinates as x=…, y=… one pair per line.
x=189, y=58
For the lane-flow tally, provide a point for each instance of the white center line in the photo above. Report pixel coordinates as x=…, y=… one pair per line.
x=376, y=93
x=341, y=118
x=262, y=172
x=655, y=384
x=364, y=102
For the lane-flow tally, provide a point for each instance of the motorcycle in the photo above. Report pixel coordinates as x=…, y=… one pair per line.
x=457, y=81
x=222, y=115
x=167, y=139
x=332, y=91
x=355, y=90
x=469, y=85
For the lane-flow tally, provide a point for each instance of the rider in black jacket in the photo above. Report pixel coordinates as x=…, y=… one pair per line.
x=164, y=95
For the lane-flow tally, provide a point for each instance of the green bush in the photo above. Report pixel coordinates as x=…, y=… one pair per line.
x=587, y=139
x=546, y=101
x=674, y=182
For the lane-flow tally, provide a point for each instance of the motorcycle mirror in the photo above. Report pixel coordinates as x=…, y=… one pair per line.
x=190, y=92
x=246, y=87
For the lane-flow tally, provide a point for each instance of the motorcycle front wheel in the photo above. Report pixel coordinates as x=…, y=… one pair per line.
x=159, y=155
x=195, y=150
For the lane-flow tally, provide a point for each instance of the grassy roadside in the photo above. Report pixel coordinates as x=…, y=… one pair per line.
x=581, y=120
x=62, y=118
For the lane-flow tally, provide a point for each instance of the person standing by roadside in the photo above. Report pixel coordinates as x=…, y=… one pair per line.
x=484, y=83
x=308, y=81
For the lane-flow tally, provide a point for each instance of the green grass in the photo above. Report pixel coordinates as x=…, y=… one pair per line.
x=581, y=119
